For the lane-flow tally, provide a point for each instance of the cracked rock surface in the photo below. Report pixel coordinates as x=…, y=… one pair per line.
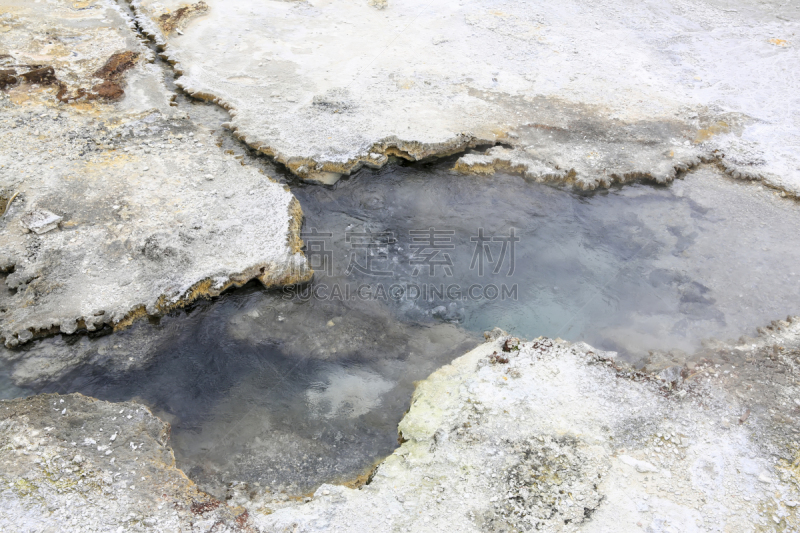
x=114, y=206
x=113, y=210
x=328, y=87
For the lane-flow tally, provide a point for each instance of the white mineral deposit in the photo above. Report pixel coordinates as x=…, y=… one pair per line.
x=399, y=265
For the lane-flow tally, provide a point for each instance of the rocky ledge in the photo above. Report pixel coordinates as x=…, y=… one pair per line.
x=113, y=204
x=589, y=94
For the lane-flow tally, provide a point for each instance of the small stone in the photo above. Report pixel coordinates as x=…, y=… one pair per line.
x=69, y=327
x=640, y=466
x=40, y=221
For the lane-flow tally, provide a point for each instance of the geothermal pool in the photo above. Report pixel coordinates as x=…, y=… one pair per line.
x=630, y=269
x=293, y=388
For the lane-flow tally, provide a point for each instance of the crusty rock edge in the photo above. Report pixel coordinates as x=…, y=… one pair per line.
x=377, y=155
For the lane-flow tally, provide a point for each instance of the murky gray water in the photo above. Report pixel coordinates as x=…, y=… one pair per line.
x=269, y=409
x=294, y=388
x=630, y=269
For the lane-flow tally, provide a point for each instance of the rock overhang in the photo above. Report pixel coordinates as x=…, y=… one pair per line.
x=327, y=88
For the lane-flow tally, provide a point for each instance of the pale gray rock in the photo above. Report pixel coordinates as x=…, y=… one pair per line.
x=559, y=436
x=540, y=437
x=40, y=221
x=113, y=216
x=73, y=463
x=609, y=92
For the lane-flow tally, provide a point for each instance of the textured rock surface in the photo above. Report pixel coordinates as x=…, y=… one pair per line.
x=327, y=87
x=72, y=463
x=147, y=212
x=557, y=437
x=114, y=206
x=82, y=53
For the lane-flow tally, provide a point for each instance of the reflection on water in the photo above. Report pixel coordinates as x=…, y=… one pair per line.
x=290, y=389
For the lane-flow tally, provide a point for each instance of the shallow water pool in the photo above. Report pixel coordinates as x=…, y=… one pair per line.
x=293, y=388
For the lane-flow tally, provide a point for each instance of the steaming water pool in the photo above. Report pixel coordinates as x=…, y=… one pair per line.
x=290, y=389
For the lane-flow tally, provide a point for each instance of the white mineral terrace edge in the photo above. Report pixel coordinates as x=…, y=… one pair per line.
x=117, y=207
x=593, y=93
